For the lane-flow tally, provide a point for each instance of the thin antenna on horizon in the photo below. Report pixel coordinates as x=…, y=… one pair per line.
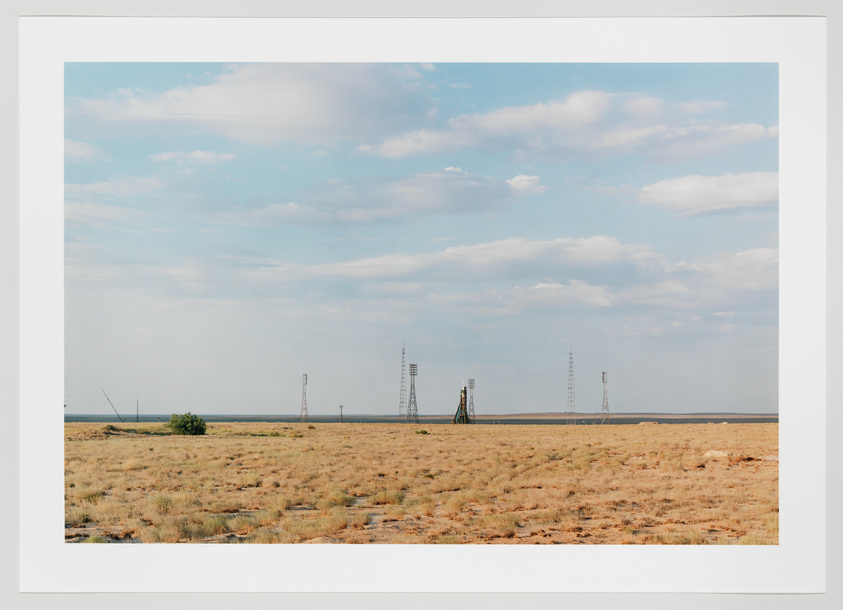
x=604, y=414
x=412, y=407
x=112, y=406
x=402, y=399
x=303, y=417
x=570, y=408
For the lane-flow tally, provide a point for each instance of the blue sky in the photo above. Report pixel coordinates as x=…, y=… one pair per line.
x=230, y=227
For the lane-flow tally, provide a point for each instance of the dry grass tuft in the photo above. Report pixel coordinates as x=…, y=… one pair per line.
x=395, y=496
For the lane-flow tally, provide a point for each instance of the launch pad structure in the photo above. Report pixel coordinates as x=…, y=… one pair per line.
x=461, y=416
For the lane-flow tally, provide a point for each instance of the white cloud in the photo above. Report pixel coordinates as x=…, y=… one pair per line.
x=109, y=203
x=196, y=157
x=691, y=195
x=515, y=257
x=272, y=103
x=750, y=270
x=275, y=213
x=586, y=122
x=120, y=186
x=451, y=191
x=514, y=124
x=577, y=111
x=596, y=272
x=626, y=138
x=556, y=295
x=724, y=282
x=83, y=152
x=100, y=215
x=701, y=107
x=694, y=139
x=644, y=106
x=526, y=184
x=421, y=142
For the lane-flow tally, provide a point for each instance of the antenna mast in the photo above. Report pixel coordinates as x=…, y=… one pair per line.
x=471, y=399
x=604, y=414
x=402, y=400
x=303, y=417
x=112, y=406
x=570, y=411
x=412, y=407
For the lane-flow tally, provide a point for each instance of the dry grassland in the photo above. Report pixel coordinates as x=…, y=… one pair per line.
x=392, y=483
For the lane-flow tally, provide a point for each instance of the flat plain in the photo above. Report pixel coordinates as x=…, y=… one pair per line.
x=429, y=483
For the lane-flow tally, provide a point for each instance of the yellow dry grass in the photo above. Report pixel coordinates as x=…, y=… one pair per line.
x=384, y=483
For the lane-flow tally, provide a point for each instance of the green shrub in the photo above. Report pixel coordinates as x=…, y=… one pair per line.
x=187, y=424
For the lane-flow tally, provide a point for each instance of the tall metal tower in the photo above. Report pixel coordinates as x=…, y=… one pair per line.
x=570, y=409
x=471, y=399
x=604, y=414
x=402, y=400
x=303, y=417
x=412, y=407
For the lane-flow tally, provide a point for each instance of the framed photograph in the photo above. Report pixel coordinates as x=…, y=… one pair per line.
x=514, y=301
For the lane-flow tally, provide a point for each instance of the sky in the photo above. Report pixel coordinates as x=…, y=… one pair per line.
x=231, y=227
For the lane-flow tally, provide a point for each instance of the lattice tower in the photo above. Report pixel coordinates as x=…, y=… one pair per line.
x=604, y=413
x=570, y=408
x=402, y=399
x=471, y=399
x=303, y=417
x=412, y=407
